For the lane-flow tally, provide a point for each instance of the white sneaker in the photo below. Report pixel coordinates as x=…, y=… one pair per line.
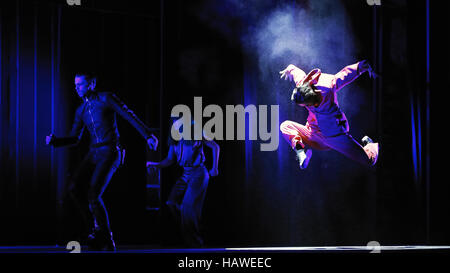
x=303, y=157
x=366, y=140
x=372, y=149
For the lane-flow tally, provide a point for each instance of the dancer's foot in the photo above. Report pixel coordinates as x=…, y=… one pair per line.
x=109, y=244
x=366, y=140
x=372, y=149
x=101, y=241
x=303, y=157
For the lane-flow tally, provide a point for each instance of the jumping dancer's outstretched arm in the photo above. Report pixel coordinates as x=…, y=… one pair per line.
x=350, y=73
x=292, y=72
x=347, y=75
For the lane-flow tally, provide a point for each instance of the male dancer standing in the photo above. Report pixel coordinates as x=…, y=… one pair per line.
x=97, y=113
x=326, y=127
x=188, y=194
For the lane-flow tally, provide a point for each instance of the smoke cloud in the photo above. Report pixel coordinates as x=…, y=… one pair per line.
x=316, y=34
x=311, y=34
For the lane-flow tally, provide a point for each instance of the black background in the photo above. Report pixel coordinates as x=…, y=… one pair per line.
x=139, y=52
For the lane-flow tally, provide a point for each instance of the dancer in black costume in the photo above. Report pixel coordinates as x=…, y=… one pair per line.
x=97, y=113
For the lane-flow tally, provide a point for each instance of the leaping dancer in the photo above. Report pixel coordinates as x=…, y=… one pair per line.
x=327, y=126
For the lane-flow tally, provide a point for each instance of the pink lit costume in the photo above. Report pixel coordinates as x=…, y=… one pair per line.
x=327, y=126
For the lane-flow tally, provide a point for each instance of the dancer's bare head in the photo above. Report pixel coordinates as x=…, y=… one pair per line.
x=84, y=82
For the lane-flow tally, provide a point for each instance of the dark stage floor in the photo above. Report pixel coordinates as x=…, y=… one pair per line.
x=159, y=249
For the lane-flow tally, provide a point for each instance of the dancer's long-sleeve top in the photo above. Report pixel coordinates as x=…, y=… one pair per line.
x=97, y=113
x=328, y=116
x=189, y=153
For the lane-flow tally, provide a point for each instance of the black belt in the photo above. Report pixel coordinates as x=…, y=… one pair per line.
x=193, y=167
x=106, y=143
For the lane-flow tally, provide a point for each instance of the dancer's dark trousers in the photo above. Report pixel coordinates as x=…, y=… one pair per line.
x=186, y=202
x=89, y=182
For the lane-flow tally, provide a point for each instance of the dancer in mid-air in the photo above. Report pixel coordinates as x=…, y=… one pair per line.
x=97, y=114
x=326, y=127
x=188, y=194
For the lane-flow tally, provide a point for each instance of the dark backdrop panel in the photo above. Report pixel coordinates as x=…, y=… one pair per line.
x=29, y=59
x=439, y=188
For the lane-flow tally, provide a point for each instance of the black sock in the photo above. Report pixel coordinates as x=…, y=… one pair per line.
x=298, y=146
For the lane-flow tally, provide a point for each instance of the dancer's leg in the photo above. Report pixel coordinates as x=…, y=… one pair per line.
x=107, y=164
x=295, y=133
x=349, y=147
x=192, y=205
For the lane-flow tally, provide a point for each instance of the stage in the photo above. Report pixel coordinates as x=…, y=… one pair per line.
x=128, y=249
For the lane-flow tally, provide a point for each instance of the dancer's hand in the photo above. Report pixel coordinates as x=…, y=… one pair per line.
x=214, y=172
x=152, y=142
x=49, y=139
x=286, y=73
x=365, y=66
x=372, y=74
x=294, y=96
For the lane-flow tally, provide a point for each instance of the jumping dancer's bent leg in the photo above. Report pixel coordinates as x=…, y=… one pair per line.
x=300, y=137
x=349, y=147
